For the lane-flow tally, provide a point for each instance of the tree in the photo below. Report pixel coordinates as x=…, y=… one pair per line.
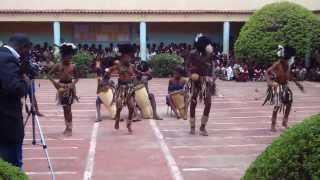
x=294, y=155
x=278, y=23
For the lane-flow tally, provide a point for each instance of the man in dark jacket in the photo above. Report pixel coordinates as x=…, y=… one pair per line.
x=13, y=86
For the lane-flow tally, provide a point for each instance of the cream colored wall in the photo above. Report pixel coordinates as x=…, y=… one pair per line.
x=124, y=17
x=137, y=5
x=148, y=4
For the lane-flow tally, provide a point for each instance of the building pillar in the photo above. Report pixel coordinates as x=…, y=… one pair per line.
x=56, y=33
x=143, y=41
x=226, y=37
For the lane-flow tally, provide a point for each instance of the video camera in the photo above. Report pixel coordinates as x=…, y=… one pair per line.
x=29, y=67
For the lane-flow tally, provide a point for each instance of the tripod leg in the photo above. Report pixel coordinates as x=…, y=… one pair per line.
x=45, y=148
x=33, y=130
x=35, y=122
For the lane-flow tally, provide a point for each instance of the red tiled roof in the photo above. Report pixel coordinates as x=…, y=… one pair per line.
x=83, y=11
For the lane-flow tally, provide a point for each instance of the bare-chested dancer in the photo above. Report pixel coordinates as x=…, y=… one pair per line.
x=124, y=95
x=279, y=93
x=67, y=74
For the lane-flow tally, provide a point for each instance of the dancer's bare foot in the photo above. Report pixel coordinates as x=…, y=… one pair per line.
x=129, y=129
x=203, y=131
x=98, y=119
x=285, y=123
x=116, y=125
x=67, y=132
x=136, y=120
x=193, y=131
x=156, y=117
x=39, y=114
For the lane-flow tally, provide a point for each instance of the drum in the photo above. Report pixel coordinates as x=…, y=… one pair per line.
x=178, y=99
x=106, y=97
x=142, y=99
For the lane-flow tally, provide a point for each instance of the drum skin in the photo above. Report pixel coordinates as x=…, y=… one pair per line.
x=142, y=99
x=106, y=98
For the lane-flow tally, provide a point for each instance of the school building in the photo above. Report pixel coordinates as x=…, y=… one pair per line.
x=137, y=21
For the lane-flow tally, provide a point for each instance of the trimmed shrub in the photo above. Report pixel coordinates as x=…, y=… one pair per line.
x=278, y=23
x=294, y=155
x=163, y=65
x=83, y=62
x=9, y=172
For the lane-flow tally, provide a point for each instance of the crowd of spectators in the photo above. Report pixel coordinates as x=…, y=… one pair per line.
x=227, y=67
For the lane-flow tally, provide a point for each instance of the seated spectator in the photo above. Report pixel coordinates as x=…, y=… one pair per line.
x=230, y=74
x=176, y=83
x=243, y=75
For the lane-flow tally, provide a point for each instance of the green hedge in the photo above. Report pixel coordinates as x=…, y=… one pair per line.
x=278, y=23
x=82, y=61
x=9, y=172
x=295, y=155
x=163, y=65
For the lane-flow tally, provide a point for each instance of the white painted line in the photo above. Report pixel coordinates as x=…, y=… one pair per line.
x=208, y=169
x=217, y=122
x=219, y=156
x=49, y=120
x=174, y=169
x=47, y=139
x=52, y=158
x=52, y=139
x=59, y=126
x=226, y=129
x=51, y=148
x=91, y=154
x=195, y=169
x=48, y=173
x=221, y=146
x=245, y=117
x=73, y=139
x=227, y=137
x=226, y=169
x=74, y=110
x=244, y=108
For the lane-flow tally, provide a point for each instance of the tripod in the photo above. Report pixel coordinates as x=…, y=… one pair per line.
x=36, y=124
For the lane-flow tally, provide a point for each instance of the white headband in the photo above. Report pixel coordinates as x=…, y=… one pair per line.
x=69, y=44
x=280, y=52
x=198, y=36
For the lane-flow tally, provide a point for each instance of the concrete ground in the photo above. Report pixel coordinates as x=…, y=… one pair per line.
x=160, y=150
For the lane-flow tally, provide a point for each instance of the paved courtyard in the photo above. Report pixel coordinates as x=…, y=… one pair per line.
x=160, y=150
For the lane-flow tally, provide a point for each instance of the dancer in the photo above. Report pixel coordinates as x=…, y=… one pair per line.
x=278, y=93
x=67, y=73
x=124, y=94
x=202, y=81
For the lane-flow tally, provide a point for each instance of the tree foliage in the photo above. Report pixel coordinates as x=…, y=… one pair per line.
x=163, y=65
x=278, y=23
x=9, y=172
x=294, y=155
